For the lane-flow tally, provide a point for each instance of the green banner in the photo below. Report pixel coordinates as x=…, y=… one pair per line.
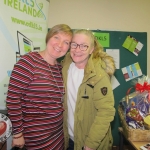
x=103, y=38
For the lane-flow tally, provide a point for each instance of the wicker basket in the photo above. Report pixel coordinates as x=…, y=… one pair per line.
x=133, y=134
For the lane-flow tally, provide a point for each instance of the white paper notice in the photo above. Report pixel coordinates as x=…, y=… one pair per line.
x=114, y=82
x=116, y=55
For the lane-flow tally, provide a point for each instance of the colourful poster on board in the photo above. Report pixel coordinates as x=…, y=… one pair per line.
x=132, y=45
x=23, y=27
x=132, y=71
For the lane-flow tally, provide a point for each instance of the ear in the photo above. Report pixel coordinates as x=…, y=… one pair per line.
x=91, y=51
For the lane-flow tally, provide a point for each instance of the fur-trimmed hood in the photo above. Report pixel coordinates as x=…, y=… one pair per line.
x=108, y=64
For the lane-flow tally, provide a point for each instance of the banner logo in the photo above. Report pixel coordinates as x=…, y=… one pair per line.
x=40, y=13
x=29, y=7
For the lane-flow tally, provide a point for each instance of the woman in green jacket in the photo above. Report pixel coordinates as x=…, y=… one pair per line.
x=89, y=99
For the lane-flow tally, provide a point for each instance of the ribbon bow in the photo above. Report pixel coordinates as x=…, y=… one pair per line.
x=142, y=88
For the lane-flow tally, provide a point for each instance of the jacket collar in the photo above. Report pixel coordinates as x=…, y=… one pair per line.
x=65, y=66
x=89, y=70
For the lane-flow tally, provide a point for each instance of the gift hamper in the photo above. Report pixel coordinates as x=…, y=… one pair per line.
x=134, y=111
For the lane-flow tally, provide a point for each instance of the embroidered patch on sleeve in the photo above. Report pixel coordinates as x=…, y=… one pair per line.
x=104, y=90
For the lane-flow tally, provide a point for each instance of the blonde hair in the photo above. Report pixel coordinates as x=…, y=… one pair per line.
x=98, y=49
x=60, y=28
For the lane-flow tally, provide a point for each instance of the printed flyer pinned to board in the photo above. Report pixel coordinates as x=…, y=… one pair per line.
x=133, y=45
x=132, y=71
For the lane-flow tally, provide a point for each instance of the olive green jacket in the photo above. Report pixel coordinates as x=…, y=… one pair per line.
x=94, y=106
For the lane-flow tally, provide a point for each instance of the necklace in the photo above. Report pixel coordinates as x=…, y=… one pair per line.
x=62, y=92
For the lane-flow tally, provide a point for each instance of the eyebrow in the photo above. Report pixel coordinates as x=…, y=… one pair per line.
x=68, y=41
x=81, y=43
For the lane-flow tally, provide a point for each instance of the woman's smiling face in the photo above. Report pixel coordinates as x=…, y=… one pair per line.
x=58, y=45
x=80, y=57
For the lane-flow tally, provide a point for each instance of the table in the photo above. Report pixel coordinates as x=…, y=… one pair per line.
x=136, y=145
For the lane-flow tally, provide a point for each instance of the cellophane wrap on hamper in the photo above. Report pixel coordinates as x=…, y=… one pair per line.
x=134, y=111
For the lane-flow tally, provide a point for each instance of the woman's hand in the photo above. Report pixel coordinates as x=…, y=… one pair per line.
x=18, y=140
x=87, y=148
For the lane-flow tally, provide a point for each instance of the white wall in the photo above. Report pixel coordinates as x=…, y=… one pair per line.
x=120, y=15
